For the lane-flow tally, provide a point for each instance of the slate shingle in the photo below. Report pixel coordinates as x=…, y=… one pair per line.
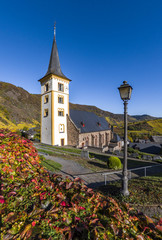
x=88, y=121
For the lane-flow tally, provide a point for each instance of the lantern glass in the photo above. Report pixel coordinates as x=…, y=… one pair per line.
x=125, y=91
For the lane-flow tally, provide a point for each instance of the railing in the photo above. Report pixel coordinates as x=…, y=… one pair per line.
x=129, y=172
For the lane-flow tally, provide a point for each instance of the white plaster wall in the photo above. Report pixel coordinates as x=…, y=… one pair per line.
x=60, y=119
x=55, y=82
x=46, y=121
x=49, y=85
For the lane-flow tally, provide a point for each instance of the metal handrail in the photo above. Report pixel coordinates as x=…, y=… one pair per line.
x=129, y=170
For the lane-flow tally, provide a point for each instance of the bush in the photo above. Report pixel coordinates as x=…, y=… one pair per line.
x=114, y=163
x=35, y=204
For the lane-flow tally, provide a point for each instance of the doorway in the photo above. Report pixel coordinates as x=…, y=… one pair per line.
x=62, y=141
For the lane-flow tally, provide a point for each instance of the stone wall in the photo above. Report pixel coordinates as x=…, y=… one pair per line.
x=72, y=133
x=95, y=139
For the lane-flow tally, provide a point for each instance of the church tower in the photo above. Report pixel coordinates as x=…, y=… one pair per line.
x=54, y=102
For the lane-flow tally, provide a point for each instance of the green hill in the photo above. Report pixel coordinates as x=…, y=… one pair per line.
x=141, y=129
x=19, y=109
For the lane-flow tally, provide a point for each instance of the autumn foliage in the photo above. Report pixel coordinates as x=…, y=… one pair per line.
x=37, y=205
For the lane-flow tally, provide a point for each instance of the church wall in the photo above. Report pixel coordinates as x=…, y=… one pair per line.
x=46, y=120
x=95, y=139
x=60, y=120
x=72, y=133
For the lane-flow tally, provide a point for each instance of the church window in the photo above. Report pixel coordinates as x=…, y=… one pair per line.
x=46, y=87
x=102, y=138
x=60, y=87
x=60, y=99
x=45, y=112
x=61, y=128
x=61, y=112
x=46, y=98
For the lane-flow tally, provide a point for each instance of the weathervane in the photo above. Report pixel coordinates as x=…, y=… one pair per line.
x=55, y=30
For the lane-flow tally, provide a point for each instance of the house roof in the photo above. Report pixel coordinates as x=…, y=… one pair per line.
x=116, y=138
x=153, y=148
x=157, y=139
x=88, y=121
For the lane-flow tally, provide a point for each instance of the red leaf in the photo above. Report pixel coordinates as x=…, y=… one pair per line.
x=159, y=228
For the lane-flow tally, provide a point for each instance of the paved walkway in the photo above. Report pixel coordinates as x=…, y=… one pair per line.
x=92, y=179
x=73, y=169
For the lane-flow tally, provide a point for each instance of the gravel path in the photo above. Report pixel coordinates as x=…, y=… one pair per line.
x=73, y=169
x=92, y=179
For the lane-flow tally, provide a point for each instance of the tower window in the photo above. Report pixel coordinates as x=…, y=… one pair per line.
x=60, y=99
x=46, y=98
x=45, y=112
x=60, y=87
x=46, y=87
x=61, y=112
x=61, y=128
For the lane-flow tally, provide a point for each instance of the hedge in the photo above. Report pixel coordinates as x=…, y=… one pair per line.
x=37, y=205
x=114, y=163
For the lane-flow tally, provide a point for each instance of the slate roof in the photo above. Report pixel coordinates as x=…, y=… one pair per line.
x=153, y=148
x=157, y=139
x=88, y=121
x=116, y=138
x=54, y=63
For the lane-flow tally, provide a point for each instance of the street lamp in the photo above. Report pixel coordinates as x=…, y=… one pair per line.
x=125, y=93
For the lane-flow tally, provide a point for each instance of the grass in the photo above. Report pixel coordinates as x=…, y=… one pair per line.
x=50, y=164
x=143, y=191
x=131, y=163
x=51, y=153
x=97, y=164
x=70, y=150
x=92, y=165
x=136, y=163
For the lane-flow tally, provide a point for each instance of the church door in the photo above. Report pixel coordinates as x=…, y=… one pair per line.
x=62, y=142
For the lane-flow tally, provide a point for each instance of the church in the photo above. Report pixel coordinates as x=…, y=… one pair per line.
x=61, y=126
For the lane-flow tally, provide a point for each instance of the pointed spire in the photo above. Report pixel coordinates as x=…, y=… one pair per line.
x=54, y=63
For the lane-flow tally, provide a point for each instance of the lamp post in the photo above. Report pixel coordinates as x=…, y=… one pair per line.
x=125, y=93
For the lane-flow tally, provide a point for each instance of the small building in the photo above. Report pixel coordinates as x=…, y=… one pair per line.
x=157, y=139
x=152, y=148
x=86, y=129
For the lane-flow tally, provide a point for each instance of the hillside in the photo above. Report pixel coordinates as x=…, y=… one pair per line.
x=141, y=129
x=110, y=117
x=19, y=109
x=18, y=106
x=143, y=117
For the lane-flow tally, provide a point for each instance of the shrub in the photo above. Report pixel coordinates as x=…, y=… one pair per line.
x=37, y=205
x=114, y=163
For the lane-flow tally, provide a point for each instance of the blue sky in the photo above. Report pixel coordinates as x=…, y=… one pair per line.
x=100, y=44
